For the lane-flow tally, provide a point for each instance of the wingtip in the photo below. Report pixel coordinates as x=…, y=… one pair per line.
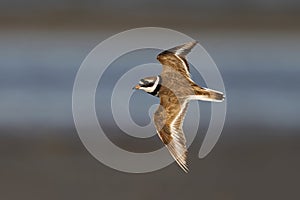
x=182, y=162
x=184, y=49
x=180, y=50
x=193, y=43
x=183, y=166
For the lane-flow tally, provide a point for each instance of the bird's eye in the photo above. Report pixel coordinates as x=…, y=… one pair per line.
x=146, y=83
x=149, y=84
x=142, y=82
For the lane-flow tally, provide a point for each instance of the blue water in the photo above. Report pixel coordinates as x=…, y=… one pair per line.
x=260, y=72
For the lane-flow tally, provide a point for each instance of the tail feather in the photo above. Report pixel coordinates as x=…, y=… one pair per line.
x=206, y=94
x=215, y=95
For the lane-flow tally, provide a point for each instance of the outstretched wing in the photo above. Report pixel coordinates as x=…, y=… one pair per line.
x=174, y=58
x=168, y=120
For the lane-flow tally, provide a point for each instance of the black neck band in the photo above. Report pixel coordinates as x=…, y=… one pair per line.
x=155, y=92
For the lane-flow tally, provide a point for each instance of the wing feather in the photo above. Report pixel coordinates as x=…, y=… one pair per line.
x=174, y=58
x=183, y=50
x=170, y=114
x=169, y=129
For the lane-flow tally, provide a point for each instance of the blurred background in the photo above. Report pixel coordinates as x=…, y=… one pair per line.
x=255, y=44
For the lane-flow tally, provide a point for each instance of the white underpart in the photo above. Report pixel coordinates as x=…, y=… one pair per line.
x=151, y=89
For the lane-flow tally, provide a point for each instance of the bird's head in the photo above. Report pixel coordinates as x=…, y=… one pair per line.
x=150, y=85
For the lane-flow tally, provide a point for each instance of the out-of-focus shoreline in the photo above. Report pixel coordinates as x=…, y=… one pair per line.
x=100, y=21
x=55, y=166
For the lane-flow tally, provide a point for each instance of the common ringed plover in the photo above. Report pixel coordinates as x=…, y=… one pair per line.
x=175, y=88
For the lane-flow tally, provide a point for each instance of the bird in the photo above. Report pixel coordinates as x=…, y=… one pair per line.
x=175, y=89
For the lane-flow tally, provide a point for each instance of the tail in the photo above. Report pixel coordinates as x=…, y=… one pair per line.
x=206, y=94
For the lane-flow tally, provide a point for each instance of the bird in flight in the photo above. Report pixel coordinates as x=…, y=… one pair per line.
x=175, y=88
